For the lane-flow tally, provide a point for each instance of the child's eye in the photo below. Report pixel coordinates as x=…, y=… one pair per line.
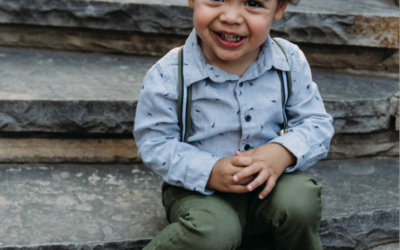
x=254, y=4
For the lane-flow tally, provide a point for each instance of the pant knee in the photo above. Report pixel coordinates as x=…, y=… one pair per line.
x=214, y=231
x=301, y=207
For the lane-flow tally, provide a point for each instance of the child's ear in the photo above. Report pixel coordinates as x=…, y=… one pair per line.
x=279, y=10
x=191, y=4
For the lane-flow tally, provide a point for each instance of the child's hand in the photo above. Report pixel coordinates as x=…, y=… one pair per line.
x=221, y=177
x=269, y=162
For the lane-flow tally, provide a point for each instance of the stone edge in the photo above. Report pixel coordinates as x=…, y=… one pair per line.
x=379, y=233
x=354, y=29
x=53, y=116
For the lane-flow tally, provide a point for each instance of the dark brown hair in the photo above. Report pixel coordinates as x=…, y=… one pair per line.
x=292, y=2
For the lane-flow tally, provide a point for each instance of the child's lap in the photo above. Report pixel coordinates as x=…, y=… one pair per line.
x=292, y=192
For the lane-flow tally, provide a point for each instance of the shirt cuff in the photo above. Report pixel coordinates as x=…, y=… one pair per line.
x=296, y=145
x=198, y=174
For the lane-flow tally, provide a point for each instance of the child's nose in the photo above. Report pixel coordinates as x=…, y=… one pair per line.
x=231, y=16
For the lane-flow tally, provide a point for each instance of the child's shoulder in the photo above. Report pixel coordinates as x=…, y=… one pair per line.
x=293, y=53
x=165, y=72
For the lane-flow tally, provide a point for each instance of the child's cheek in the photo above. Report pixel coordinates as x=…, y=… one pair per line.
x=202, y=21
x=260, y=30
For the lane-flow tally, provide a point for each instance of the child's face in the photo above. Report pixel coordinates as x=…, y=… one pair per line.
x=232, y=29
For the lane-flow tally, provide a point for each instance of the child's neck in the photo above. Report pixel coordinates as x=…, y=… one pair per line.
x=236, y=67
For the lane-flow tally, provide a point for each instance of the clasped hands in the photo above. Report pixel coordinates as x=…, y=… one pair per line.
x=236, y=174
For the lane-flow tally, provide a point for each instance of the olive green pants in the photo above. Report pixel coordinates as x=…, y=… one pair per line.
x=289, y=216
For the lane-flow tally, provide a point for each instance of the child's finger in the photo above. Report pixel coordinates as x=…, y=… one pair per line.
x=241, y=161
x=240, y=189
x=261, y=179
x=244, y=153
x=247, y=171
x=246, y=180
x=268, y=187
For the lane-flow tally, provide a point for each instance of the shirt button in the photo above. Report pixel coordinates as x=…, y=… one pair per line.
x=247, y=118
x=241, y=84
x=247, y=147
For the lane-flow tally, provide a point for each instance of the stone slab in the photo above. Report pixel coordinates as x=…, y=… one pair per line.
x=391, y=246
x=351, y=57
x=65, y=92
x=33, y=150
x=354, y=99
x=348, y=146
x=23, y=149
x=61, y=206
x=361, y=22
x=129, y=42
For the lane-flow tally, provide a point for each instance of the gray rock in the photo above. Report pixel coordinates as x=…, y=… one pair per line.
x=128, y=42
x=347, y=146
x=359, y=104
x=64, y=92
x=359, y=183
x=45, y=206
x=93, y=40
x=363, y=23
x=67, y=150
x=93, y=93
x=351, y=57
x=390, y=246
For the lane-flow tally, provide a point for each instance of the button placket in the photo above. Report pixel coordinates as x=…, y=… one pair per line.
x=247, y=118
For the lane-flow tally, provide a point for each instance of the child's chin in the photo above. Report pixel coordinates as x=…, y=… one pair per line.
x=228, y=57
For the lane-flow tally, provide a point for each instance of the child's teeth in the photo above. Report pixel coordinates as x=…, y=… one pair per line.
x=230, y=38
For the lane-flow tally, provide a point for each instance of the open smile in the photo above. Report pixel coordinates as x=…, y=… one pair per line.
x=229, y=40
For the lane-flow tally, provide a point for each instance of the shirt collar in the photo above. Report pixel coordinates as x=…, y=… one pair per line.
x=271, y=56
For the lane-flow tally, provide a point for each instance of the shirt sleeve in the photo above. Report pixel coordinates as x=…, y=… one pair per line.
x=157, y=135
x=310, y=128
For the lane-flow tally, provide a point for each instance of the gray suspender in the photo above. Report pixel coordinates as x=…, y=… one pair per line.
x=286, y=89
x=185, y=96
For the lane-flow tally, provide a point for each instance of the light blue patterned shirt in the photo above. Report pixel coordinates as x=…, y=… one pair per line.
x=228, y=113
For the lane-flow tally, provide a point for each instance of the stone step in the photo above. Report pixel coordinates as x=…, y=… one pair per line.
x=367, y=23
x=65, y=92
x=362, y=35
x=118, y=206
x=124, y=150
x=369, y=59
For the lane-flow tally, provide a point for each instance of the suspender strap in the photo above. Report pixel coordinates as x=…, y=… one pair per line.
x=283, y=95
x=184, y=101
x=286, y=89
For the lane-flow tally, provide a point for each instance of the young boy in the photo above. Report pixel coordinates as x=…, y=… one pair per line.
x=235, y=175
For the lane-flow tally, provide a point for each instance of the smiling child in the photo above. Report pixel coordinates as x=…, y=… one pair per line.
x=235, y=175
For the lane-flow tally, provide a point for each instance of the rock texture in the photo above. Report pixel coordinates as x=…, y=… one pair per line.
x=347, y=146
x=60, y=92
x=64, y=92
x=364, y=23
x=358, y=231
x=32, y=150
x=359, y=104
x=351, y=57
x=86, y=150
x=129, y=42
x=119, y=206
x=93, y=40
